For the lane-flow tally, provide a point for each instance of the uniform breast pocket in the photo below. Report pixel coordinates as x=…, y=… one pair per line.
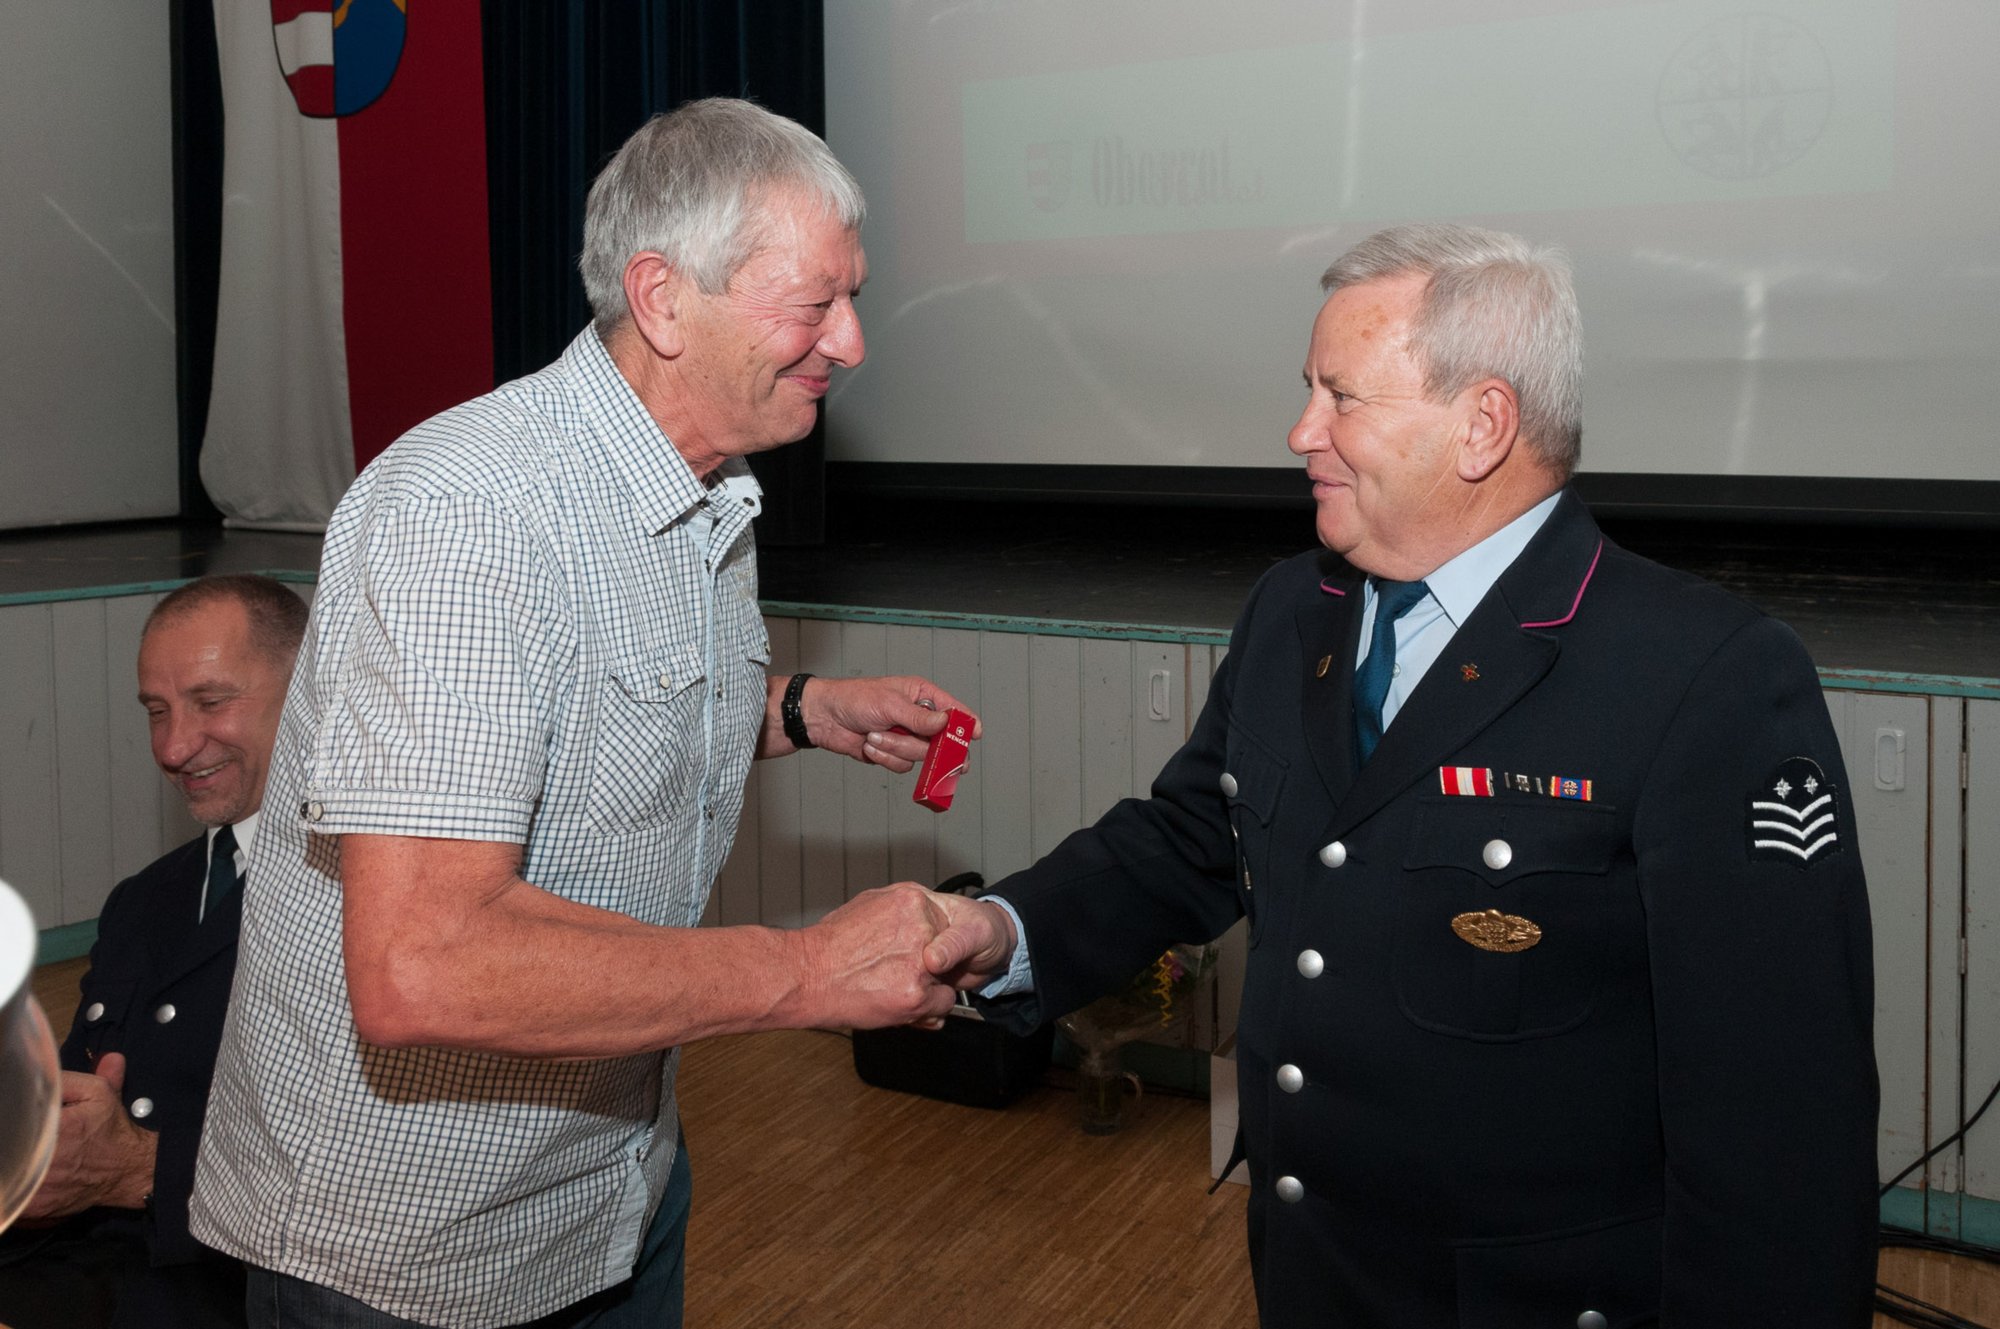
x=648, y=731
x=1253, y=781
x=1508, y=916
x=1611, y=1268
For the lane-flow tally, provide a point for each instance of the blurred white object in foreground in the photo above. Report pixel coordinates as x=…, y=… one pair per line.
x=30, y=1077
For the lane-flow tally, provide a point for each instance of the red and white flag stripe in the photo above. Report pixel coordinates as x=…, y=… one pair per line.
x=355, y=296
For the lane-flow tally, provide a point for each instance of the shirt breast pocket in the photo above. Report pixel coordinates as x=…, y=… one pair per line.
x=756, y=647
x=647, y=737
x=1508, y=916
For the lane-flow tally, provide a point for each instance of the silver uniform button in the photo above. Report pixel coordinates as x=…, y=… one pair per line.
x=1310, y=964
x=1334, y=855
x=1228, y=783
x=1592, y=1320
x=142, y=1108
x=1497, y=854
x=1290, y=1078
x=166, y=1013
x=94, y=1012
x=1290, y=1189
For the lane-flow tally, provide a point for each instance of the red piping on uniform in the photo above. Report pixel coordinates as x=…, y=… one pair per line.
x=1329, y=589
x=1588, y=573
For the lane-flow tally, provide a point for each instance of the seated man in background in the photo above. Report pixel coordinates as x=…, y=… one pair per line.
x=105, y=1240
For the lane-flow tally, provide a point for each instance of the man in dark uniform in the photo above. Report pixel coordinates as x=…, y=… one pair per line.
x=105, y=1240
x=1558, y=1000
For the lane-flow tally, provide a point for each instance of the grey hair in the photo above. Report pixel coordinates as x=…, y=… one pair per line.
x=688, y=185
x=1494, y=306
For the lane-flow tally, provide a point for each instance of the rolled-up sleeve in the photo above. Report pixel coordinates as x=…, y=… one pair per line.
x=436, y=678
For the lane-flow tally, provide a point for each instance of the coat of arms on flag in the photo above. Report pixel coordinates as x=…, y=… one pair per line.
x=337, y=56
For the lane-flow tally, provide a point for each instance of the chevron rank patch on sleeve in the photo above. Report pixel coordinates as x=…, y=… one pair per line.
x=1794, y=815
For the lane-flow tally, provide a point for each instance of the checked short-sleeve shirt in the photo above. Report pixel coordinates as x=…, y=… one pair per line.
x=534, y=624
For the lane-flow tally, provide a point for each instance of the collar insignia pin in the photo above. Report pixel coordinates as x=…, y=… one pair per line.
x=1325, y=663
x=1468, y=671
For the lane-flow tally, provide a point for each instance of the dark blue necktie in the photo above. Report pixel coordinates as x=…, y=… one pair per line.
x=1393, y=599
x=222, y=876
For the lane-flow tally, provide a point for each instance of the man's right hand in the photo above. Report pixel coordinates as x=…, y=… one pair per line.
x=900, y=955
x=102, y=1157
x=862, y=966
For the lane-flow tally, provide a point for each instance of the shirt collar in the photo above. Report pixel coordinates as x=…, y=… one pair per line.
x=1462, y=583
x=663, y=486
x=245, y=832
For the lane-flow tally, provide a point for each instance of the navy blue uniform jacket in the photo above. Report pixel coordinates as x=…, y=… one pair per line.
x=1663, y=1110
x=151, y=959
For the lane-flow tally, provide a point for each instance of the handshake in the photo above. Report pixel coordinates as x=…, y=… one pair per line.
x=896, y=955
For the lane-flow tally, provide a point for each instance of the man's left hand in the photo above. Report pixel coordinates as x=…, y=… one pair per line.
x=858, y=717
x=102, y=1157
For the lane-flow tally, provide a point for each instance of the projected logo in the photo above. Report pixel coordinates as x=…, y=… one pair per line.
x=1048, y=174
x=337, y=56
x=1745, y=97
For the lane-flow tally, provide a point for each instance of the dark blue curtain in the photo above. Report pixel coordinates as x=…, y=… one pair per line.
x=565, y=85
x=196, y=80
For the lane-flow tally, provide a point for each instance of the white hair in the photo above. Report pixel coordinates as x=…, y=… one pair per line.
x=689, y=186
x=1494, y=306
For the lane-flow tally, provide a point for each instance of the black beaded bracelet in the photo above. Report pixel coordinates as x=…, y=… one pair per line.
x=788, y=712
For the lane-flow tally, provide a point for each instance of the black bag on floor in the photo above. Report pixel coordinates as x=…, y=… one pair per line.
x=968, y=1061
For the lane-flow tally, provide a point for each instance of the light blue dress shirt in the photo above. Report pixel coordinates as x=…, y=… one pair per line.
x=1456, y=589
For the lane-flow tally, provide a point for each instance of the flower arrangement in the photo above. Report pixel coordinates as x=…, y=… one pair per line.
x=1173, y=978
x=1157, y=997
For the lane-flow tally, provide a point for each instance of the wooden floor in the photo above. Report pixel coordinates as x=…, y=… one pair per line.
x=819, y=1201
x=822, y=1203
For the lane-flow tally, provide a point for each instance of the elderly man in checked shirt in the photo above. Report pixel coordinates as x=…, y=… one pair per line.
x=510, y=766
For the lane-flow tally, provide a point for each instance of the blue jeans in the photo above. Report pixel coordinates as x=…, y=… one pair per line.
x=650, y=1299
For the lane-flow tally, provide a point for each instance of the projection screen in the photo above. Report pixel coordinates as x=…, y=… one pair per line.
x=1096, y=229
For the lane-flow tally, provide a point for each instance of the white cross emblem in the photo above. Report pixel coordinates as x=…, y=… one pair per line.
x=1812, y=785
x=1783, y=788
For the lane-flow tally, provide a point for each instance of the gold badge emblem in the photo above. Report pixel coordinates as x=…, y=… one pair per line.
x=1469, y=672
x=1491, y=930
x=1325, y=663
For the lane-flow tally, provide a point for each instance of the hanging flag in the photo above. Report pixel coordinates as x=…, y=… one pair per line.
x=356, y=297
